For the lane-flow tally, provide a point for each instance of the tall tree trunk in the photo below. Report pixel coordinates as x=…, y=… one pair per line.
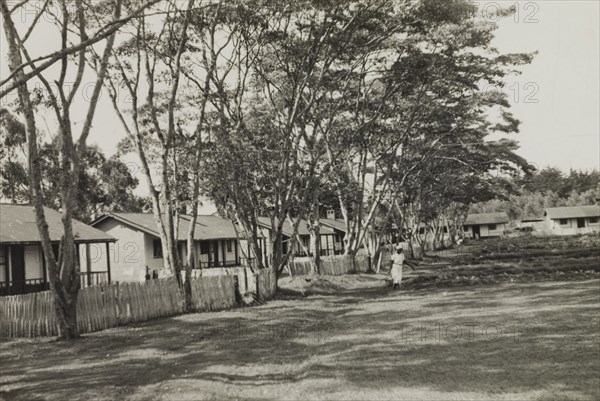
x=63, y=274
x=65, y=309
x=315, y=248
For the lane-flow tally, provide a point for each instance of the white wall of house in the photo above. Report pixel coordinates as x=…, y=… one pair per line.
x=229, y=249
x=485, y=231
x=97, y=257
x=127, y=258
x=570, y=226
x=488, y=230
x=468, y=231
x=153, y=263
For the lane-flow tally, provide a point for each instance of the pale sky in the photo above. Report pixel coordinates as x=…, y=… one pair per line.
x=556, y=97
x=563, y=128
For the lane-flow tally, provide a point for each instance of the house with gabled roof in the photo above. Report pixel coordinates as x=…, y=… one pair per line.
x=327, y=237
x=22, y=262
x=485, y=225
x=339, y=229
x=138, y=251
x=572, y=220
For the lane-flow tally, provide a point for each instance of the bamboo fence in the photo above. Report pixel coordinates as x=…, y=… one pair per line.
x=267, y=285
x=330, y=265
x=211, y=293
x=105, y=306
x=112, y=305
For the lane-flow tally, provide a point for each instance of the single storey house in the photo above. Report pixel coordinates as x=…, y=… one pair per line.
x=327, y=235
x=339, y=229
x=393, y=236
x=571, y=220
x=138, y=251
x=485, y=225
x=22, y=262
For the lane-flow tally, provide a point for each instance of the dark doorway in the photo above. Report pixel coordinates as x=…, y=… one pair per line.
x=476, y=232
x=214, y=254
x=284, y=245
x=580, y=223
x=17, y=268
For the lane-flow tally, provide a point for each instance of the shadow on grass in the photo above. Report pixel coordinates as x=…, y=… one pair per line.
x=355, y=339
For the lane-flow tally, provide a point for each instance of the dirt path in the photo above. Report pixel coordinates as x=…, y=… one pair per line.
x=512, y=341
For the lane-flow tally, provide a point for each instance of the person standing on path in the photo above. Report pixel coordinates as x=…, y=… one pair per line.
x=396, y=262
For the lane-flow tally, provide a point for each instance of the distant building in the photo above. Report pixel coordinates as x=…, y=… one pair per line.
x=327, y=237
x=339, y=229
x=532, y=223
x=485, y=225
x=571, y=220
x=139, y=249
x=22, y=262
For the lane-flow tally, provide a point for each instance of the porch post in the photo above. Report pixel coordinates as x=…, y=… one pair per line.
x=223, y=250
x=108, y=260
x=44, y=267
x=237, y=260
x=88, y=264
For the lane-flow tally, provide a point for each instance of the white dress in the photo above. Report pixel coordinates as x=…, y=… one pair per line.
x=396, y=272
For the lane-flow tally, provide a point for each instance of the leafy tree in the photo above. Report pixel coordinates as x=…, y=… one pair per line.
x=13, y=174
x=153, y=57
x=418, y=103
x=549, y=179
x=106, y=184
x=24, y=66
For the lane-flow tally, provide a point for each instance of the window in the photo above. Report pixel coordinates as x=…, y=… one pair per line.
x=492, y=227
x=230, y=245
x=445, y=229
x=466, y=228
x=421, y=230
x=564, y=222
x=157, y=245
x=593, y=220
x=204, y=247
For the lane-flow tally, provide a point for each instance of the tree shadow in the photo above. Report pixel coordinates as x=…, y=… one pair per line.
x=371, y=341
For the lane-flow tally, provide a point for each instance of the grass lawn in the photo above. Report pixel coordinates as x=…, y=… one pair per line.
x=508, y=341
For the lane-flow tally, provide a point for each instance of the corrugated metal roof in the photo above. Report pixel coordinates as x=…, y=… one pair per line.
x=337, y=224
x=208, y=227
x=288, y=229
x=486, y=218
x=17, y=225
x=572, y=212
